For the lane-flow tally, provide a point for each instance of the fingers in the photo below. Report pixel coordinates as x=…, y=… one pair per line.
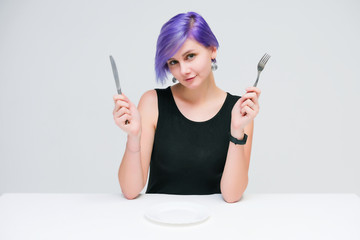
x=124, y=119
x=249, y=103
x=254, y=89
x=121, y=101
x=121, y=97
x=122, y=111
x=248, y=112
x=121, y=104
x=251, y=97
x=122, y=116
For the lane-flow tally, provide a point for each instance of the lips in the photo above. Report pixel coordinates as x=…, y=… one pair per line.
x=188, y=79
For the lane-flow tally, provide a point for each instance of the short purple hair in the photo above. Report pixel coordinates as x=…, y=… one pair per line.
x=174, y=33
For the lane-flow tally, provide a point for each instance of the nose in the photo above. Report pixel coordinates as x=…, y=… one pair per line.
x=184, y=68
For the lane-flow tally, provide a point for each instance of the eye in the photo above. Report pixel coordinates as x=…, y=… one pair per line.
x=190, y=56
x=172, y=62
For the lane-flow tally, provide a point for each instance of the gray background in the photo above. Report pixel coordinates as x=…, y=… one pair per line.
x=56, y=86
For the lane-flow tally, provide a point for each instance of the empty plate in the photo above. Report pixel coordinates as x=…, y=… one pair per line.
x=177, y=213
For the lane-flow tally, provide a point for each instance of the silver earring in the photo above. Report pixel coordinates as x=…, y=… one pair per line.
x=214, y=65
x=174, y=80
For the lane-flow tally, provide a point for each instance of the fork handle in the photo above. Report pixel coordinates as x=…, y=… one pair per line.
x=257, y=79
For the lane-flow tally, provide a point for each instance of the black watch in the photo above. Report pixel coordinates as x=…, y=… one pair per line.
x=237, y=141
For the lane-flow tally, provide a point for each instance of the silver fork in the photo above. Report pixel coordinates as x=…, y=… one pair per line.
x=261, y=66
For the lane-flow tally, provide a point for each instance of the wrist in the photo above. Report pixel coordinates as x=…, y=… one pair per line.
x=134, y=136
x=237, y=133
x=133, y=143
x=238, y=141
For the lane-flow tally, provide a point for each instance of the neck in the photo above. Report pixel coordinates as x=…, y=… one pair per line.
x=200, y=94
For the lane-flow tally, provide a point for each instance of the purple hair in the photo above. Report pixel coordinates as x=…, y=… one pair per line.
x=174, y=33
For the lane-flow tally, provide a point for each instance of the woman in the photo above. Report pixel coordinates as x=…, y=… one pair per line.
x=194, y=137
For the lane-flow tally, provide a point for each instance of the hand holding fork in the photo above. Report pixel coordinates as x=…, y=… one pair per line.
x=247, y=107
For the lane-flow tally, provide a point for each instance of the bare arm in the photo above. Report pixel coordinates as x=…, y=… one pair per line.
x=134, y=166
x=235, y=175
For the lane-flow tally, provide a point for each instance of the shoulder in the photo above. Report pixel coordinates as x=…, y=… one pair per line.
x=149, y=95
x=148, y=106
x=148, y=99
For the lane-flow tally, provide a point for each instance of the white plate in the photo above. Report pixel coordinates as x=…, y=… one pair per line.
x=177, y=213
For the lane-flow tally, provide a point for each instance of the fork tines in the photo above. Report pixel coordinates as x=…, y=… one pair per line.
x=263, y=61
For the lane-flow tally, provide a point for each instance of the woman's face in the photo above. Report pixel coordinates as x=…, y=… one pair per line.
x=191, y=65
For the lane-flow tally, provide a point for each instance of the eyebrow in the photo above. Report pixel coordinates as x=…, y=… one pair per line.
x=183, y=54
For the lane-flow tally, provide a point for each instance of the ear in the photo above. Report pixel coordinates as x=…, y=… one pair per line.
x=213, y=52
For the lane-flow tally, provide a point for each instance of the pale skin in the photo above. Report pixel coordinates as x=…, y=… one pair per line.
x=199, y=99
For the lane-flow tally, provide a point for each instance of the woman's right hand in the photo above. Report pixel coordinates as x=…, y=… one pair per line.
x=126, y=115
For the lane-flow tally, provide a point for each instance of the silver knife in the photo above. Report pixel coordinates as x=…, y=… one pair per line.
x=116, y=75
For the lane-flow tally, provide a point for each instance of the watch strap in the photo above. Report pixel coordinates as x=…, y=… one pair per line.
x=237, y=141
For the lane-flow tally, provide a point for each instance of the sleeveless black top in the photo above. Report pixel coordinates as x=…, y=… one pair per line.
x=188, y=157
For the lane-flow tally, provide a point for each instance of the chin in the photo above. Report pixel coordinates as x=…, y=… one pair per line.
x=192, y=84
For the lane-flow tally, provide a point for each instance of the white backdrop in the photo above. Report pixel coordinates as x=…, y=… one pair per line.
x=56, y=86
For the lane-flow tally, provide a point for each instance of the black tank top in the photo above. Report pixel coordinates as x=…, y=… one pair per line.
x=188, y=157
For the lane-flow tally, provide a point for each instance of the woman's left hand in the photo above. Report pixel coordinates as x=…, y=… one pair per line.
x=245, y=110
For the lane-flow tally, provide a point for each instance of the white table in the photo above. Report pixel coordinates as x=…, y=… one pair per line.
x=111, y=216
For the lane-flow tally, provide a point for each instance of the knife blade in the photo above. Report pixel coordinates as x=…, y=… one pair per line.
x=116, y=75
